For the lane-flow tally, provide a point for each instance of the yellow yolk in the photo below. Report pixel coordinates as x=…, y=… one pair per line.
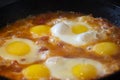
x=17, y=48
x=40, y=30
x=77, y=29
x=36, y=71
x=84, y=71
x=106, y=48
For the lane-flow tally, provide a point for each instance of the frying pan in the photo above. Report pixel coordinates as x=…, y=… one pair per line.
x=17, y=9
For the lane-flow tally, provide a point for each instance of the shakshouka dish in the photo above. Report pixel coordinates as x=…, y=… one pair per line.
x=59, y=46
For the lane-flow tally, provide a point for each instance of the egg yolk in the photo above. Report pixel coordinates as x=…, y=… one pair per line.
x=106, y=48
x=84, y=71
x=17, y=48
x=36, y=71
x=77, y=29
x=40, y=30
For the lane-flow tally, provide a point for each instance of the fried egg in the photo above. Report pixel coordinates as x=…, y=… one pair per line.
x=105, y=48
x=36, y=72
x=76, y=32
x=22, y=50
x=39, y=30
x=75, y=68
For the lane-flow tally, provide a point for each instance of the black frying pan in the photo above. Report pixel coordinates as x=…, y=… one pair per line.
x=18, y=9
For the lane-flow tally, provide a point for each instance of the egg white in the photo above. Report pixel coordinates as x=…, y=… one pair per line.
x=31, y=57
x=61, y=68
x=64, y=33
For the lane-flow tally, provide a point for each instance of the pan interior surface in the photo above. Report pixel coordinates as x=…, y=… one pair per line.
x=23, y=8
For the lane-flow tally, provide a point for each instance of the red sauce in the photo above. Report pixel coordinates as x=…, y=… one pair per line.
x=20, y=29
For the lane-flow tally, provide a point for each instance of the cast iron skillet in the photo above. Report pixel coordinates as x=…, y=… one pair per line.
x=23, y=8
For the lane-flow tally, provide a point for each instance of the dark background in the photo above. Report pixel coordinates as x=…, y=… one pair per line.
x=7, y=2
